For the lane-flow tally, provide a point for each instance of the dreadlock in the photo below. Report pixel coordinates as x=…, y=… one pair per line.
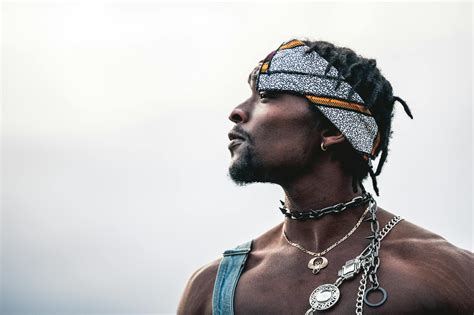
x=367, y=80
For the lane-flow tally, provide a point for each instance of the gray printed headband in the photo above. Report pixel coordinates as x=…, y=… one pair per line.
x=290, y=68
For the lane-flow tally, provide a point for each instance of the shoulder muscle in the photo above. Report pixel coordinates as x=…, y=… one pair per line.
x=197, y=295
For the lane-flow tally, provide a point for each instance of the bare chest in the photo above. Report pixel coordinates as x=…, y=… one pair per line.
x=278, y=288
x=284, y=286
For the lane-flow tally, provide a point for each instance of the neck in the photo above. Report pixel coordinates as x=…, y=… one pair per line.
x=310, y=192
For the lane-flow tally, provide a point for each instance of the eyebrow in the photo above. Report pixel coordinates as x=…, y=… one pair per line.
x=252, y=77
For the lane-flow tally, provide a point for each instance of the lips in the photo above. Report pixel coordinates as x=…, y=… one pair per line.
x=234, y=135
x=234, y=143
x=235, y=139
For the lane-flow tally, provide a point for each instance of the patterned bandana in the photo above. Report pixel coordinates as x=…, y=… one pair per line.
x=291, y=69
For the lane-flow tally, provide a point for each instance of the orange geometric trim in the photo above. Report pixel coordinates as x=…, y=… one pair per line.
x=338, y=103
x=376, y=144
x=264, y=67
x=291, y=44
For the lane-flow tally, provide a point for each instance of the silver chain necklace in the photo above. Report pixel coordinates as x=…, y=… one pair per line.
x=327, y=295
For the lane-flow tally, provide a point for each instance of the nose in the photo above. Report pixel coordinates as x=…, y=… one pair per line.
x=238, y=115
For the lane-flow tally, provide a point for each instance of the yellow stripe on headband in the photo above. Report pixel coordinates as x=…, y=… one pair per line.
x=291, y=44
x=338, y=103
x=376, y=144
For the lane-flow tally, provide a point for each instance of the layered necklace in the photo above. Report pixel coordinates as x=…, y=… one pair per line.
x=319, y=261
x=327, y=295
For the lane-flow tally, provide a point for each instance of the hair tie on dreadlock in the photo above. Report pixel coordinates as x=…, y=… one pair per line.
x=374, y=179
x=405, y=106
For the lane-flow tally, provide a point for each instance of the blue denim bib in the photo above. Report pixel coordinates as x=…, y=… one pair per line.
x=228, y=275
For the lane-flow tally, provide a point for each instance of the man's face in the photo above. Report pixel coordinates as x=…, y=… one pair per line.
x=280, y=139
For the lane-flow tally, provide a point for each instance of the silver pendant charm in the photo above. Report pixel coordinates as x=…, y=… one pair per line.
x=317, y=263
x=350, y=269
x=324, y=297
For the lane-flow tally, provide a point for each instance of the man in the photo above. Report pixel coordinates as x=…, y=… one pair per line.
x=318, y=114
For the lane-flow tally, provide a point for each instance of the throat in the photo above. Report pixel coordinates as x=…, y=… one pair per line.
x=317, y=237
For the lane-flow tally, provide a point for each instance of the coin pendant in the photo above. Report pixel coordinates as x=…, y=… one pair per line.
x=317, y=263
x=324, y=297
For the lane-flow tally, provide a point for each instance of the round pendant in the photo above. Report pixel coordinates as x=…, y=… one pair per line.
x=324, y=297
x=317, y=263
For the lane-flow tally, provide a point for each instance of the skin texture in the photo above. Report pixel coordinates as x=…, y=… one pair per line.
x=422, y=272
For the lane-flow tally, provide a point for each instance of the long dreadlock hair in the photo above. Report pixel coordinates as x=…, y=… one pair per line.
x=367, y=80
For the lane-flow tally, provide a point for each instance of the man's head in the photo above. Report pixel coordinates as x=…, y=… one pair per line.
x=281, y=138
x=298, y=98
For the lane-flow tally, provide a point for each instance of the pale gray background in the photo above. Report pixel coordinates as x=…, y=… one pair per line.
x=114, y=135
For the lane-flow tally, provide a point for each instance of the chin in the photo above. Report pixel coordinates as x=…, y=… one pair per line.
x=242, y=169
x=241, y=173
x=246, y=169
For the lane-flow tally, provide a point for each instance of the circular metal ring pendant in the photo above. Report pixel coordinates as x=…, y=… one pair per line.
x=324, y=297
x=317, y=263
x=373, y=289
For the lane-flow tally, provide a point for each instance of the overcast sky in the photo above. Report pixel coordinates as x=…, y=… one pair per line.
x=114, y=138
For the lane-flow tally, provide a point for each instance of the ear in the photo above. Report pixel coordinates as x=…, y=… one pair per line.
x=331, y=137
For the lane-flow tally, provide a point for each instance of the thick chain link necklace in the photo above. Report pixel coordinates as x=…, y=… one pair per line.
x=316, y=214
x=319, y=261
x=327, y=295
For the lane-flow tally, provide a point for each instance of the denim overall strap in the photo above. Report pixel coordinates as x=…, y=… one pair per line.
x=228, y=275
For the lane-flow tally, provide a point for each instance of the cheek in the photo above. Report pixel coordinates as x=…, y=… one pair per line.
x=294, y=147
x=283, y=138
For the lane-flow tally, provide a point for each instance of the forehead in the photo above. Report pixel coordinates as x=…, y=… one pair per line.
x=253, y=76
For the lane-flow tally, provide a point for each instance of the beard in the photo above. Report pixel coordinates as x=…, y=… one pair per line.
x=247, y=168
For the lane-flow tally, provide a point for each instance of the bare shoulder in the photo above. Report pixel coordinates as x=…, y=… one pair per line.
x=438, y=273
x=197, y=295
